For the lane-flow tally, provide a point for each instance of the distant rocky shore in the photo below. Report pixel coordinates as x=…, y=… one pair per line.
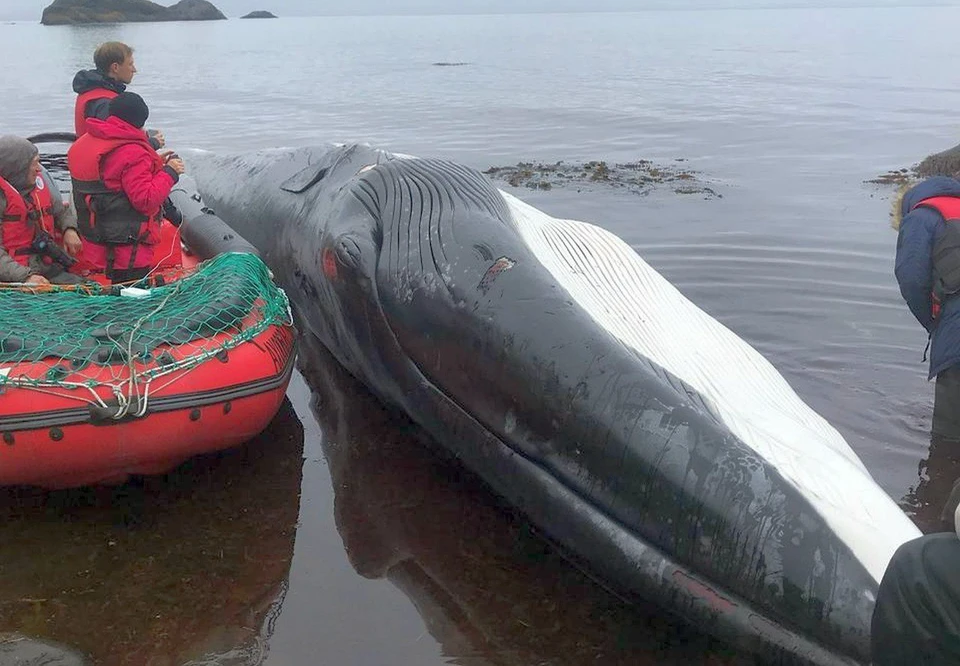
x=259, y=14
x=640, y=177
x=74, y=12
x=946, y=163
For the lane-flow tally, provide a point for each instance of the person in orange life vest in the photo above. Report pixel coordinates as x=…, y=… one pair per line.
x=928, y=272
x=120, y=186
x=96, y=87
x=29, y=201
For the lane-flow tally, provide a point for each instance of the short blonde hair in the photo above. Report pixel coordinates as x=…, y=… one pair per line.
x=110, y=53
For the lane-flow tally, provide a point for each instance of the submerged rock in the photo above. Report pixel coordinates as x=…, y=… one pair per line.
x=72, y=12
x=639, y=177
x=259, y=14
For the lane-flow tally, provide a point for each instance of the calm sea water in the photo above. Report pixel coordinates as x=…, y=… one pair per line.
x=397, y=559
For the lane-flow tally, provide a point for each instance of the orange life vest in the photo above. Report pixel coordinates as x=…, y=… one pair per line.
x=23, y=216
x=79, y=116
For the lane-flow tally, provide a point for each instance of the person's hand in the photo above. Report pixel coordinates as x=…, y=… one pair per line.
x=37, y=280
x=72, y=243
x=176, y=164
x=166, y=154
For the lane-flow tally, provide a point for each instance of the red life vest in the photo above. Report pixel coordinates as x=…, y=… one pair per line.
x=106, y=216
x=946, y=250
x=21, y=217
x=79, y=115
x=947, y=206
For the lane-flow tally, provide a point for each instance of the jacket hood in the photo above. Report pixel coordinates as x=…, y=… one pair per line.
x=15, y=156
x=937, y=186
x=90, y=79
x=114, y=128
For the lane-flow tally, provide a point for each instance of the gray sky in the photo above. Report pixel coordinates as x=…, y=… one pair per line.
x=24, y=10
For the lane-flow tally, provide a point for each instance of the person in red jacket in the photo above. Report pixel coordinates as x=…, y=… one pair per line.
x=120, y=187
x=96, y=87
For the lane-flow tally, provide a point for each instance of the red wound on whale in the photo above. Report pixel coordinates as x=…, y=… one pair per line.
x=329, y=260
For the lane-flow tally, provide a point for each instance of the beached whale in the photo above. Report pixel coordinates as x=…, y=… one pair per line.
x=658, y=449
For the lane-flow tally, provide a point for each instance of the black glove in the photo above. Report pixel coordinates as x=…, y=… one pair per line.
x=172, y=213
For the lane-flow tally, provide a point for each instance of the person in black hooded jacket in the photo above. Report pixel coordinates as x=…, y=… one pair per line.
x=916, y=619
x=95, y=88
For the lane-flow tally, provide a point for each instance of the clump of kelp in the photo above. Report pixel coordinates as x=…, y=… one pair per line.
x=640, y=177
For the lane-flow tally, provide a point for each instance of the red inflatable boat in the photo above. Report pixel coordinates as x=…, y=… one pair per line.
x=101, y=382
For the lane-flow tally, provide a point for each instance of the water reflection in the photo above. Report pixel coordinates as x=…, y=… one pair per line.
x=937, y=471
x=488, y=590
x=186, y=568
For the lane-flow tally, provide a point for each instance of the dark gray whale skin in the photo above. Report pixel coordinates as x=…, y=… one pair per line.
x=413, y=275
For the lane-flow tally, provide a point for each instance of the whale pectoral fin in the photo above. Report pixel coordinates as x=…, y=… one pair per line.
x=346, y=164
x=305, y=178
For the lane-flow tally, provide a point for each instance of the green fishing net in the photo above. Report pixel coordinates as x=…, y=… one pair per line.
x=70, y=339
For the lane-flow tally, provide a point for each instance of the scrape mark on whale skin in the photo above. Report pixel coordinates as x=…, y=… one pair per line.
x=499, y=266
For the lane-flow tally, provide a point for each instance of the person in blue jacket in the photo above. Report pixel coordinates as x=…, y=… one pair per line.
x=916, y=619
x=928, y=271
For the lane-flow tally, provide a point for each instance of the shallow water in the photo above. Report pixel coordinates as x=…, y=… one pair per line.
x=403, y=559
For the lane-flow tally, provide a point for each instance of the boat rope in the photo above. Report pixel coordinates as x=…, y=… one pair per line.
x=110, y=347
